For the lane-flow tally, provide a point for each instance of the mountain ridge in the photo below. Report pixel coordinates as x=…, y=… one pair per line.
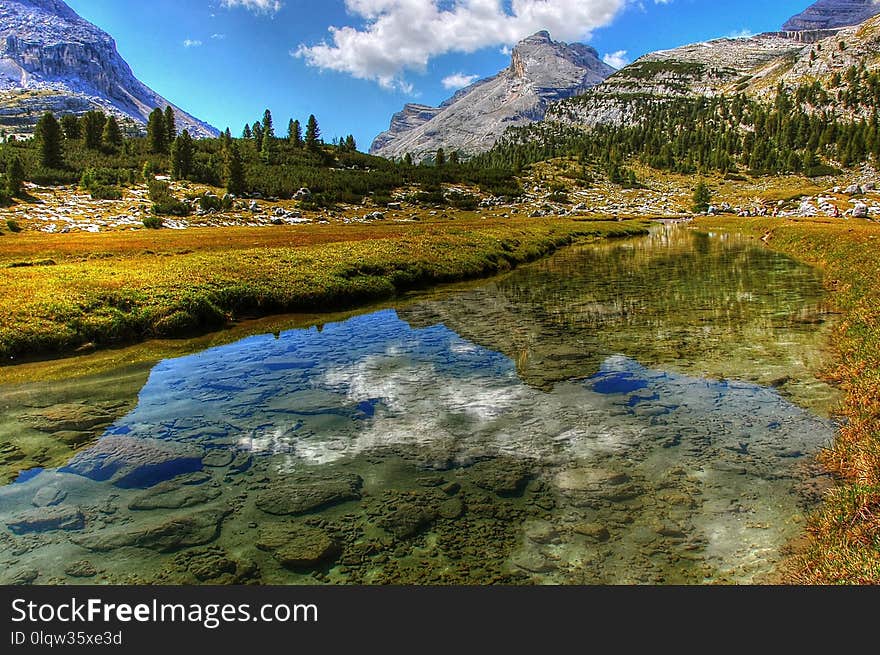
x=474, y=118
x=51, y=59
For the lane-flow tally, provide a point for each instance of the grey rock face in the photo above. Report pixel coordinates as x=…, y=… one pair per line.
x=51, y=58
x=541, y=71
x=827, y=14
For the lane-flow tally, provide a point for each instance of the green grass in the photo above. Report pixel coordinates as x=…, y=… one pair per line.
x=843, y=545
x=124, y=287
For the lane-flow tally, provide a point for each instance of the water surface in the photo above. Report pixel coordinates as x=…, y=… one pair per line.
x=639, y=411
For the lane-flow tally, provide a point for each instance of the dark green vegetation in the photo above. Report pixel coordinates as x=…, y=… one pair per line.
x=844, y=547
x=93, y=151
x=800, y=132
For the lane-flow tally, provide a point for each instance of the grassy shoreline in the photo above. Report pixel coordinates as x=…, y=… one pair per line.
x=60, y=293
x=843, y=545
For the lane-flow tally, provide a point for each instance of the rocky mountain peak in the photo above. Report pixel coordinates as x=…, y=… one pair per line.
x=829, y=14
x=541, y=71
x=51, y=59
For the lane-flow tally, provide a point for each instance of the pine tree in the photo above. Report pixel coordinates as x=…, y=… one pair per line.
x=257, y=130
x=440, y=158
x=234, y=171
x=350, y=143
x=268, y=125
x=267, y=149
x=227, y=139
x=93, y=129
x=313, y=133
x=170, y=125
x=246, y=132
x=702, y=197
x=71, y=126
x=182, y=153
x=157, y=132
x=111, y=135
x=48, y=136
x=453, y=158
x=407, y=159
x=14, y=177
x=294, y=133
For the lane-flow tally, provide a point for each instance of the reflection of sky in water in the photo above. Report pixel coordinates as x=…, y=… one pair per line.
x=373, y=382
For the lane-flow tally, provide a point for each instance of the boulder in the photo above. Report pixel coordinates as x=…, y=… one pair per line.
x=309, y=492
x=408, y=519
x=853, y=190
x=302, y=194
x=49, y=497
x=298, y=547
x=132, y=462
x=860, y=210
x=47, y=519
x=166, y=536
x=185, y=491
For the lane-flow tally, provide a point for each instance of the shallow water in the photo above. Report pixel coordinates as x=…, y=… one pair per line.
x=639, y=411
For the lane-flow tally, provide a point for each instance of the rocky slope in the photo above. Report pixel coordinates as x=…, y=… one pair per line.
x=827, y=14
x=53, y=60
x=753, y=65
x=541, y=72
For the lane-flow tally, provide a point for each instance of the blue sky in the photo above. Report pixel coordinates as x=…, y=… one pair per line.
x=225, y=61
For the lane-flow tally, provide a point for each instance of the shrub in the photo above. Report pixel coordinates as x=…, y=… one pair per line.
x=153, y=222
x=164, y=203
x=209, y=203
x=13, y=226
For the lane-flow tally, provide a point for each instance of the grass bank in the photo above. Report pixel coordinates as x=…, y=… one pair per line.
x=844, y=536
x=59, y=293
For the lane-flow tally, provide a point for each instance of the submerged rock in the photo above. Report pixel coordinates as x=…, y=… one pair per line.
x=408, y=519
x=506, y=477
x=181, y=531
x=49, y=497
x=309, y=492
x=131, y=462
x=185, y=491
x=298, y=546
x=47, y=519
x=70, y=417
x=81, y=569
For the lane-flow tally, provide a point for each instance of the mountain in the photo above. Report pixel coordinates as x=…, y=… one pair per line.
x=828, y=14
x=541, y=71
x=53, y=60
x=753, y=65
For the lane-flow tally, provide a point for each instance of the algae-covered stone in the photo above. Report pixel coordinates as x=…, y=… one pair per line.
x=49, y=497
x=218, y=458
x=175, y=494
x=593, y=531
x=506, y=477
x=298, y=546
x=47, y=519
x=309, y=492
x=180, y=531
x=408, y=519
x=81, y=569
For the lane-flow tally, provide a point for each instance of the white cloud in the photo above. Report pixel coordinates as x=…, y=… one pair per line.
x=404, y=35
x=256, y=6
x=616, y=59
x=191, y=43
x=218, y=37
x=459, y=80
x=741, y=34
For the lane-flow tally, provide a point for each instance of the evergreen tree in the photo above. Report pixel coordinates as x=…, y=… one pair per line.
x=453, y=158
x=268, y=125
x=71, y=126
x=93, y=129
x=111, y=135
x=350, y=143
x=170, y=125
x=246, y=133
x=48, y=136
x=182, y=154
x=294, y=133
x=313, y=133
x=440, y=158
x=14, y=177
x=234, y=171
x=267, y=148
x=227, y=139
x=157, y=132
x=701, y=198
x=257, y=130
x=407, y=159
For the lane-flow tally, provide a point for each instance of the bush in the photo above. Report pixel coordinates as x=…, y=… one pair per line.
x=164, y=203
x=13, y=226
x=214, y=203
x=102, y=192
x=463, y=201
x=153, y=222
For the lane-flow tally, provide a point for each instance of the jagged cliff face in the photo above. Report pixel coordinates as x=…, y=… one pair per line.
x=51, y=59
x=542, y=71
x=827, y=14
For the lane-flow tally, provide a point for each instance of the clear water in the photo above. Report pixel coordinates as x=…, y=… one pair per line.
x=633, y=412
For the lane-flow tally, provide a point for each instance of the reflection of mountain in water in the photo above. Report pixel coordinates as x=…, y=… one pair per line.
x=719, y=307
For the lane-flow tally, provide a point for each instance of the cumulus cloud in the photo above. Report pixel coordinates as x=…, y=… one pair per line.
x=256, y=6
x=191, y=43
x=459, y=80
x=616, y=59
x=403, y=35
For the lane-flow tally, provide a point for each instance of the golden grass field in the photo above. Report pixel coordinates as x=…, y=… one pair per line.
x=59, y=293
